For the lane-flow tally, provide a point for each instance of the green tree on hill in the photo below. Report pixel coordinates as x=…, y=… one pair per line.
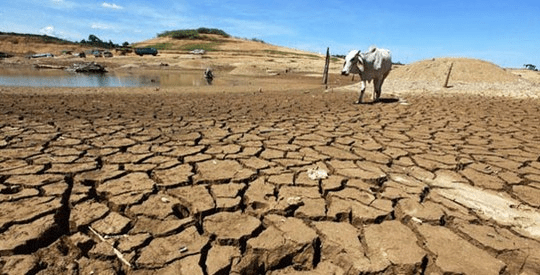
x=94, y=41
x=192, y=33
x=530, y=67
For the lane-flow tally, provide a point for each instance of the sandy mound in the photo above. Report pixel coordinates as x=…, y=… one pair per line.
x=468, y=76
x=532, y=76
x=463, y=70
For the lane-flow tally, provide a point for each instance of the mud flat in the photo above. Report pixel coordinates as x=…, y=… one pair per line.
x=138, y=181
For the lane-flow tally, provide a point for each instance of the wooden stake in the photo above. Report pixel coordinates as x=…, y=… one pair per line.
x=326, y=65
x=116, y=251
x=448, y=75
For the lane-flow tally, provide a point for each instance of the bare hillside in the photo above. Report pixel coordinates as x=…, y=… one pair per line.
x=23, y=45
x=213, y=42
x=227, y=54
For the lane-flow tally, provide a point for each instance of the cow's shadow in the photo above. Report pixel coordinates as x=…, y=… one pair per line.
x=388, y=100
x=381, y=100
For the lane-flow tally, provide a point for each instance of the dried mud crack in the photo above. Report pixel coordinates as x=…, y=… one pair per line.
x=223, y=184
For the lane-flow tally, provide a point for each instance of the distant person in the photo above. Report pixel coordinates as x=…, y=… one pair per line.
x=209, y=76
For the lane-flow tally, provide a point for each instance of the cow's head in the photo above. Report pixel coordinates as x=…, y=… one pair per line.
x=353, y=63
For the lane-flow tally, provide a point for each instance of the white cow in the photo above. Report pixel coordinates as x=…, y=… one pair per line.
x=374, y=64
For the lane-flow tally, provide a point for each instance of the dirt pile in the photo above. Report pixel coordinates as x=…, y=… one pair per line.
x=463, y=70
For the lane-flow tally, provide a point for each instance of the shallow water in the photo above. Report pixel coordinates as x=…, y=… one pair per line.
x=60, y=78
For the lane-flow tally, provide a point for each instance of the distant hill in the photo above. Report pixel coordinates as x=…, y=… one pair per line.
x=36, y=37
x=214, y=40
x=173, y=42
x=24, y=44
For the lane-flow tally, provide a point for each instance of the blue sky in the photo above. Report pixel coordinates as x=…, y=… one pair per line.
x=504, y=32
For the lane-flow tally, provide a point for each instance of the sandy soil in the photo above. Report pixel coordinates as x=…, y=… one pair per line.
x=281, y=176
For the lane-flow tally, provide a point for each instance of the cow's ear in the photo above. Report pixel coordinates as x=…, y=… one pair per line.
x=360, y=60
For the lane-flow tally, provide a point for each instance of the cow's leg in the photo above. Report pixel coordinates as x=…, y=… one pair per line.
x=376, y=88
x=362, y=90
x=379, y=87
x=379, y=90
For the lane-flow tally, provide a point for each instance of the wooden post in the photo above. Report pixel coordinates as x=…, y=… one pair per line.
x=448, y=75
x=326, y=65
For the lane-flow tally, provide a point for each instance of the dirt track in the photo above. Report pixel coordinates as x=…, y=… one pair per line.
x=217, y=183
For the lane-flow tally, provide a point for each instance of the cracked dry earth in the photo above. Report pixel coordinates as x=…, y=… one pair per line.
x=127, y=182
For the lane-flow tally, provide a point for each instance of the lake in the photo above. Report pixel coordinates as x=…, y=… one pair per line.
x=60, y=78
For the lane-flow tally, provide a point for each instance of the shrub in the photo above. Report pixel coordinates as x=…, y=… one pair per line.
x=192, y=33
x=181, y=34
x=258, y=40
x=212, y=31
x=94, y=41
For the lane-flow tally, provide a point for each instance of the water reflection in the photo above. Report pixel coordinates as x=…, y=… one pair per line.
x=58, y=78
x=41, y=78
x=184, y=79
x=209, y=76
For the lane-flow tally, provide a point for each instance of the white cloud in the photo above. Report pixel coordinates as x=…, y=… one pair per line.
x=62, y=4
x=49, y=30
x=100, y=26
x=52, y=31
x=110, y=6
